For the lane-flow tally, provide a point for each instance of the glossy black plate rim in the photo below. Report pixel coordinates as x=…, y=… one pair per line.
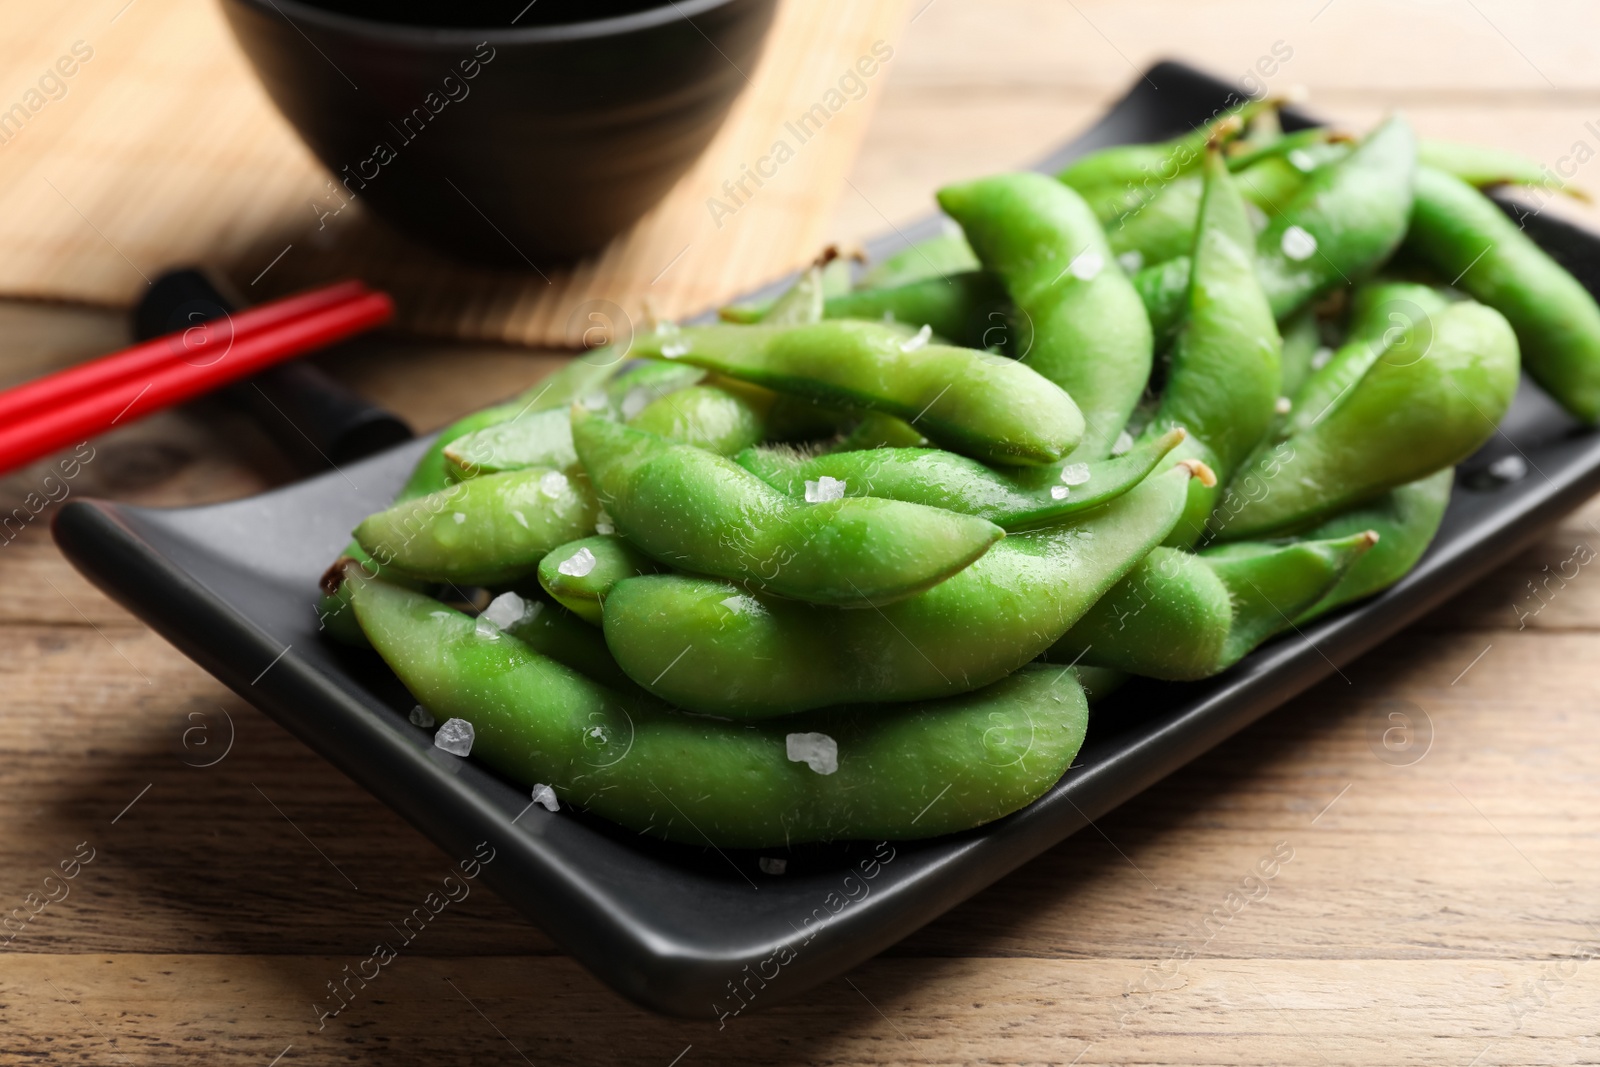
x=695, y=940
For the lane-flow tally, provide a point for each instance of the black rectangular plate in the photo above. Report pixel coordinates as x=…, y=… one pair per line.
x=673, y=927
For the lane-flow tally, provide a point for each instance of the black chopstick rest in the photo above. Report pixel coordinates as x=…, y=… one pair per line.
x=315, y=420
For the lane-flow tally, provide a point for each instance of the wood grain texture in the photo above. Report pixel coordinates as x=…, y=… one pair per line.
x=1438, y=908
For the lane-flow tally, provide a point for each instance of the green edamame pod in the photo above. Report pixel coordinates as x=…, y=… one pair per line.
x=707, y=646
x=1114, y=201
x=1223, y=379
x=914, y=771
x=827, y=279
x=553, y=631
x=1405, y=520
x=1343, y=223
x=1099, y=682
x=968, y=401
x=968, y=309
x=1015, y=499
x=1169, y=619
x=1302, y=337
x=1478, y=165
x=1163, y=289
x=1268, y=177
x=642, y=384
x=1463, y=235
x=793, y=418
x=534, y=439
x=1162, y=228
x=1269, y=584
x=1262, y=128
x=724, y=417
x=1434, y=394
x=434, y=469
x=487, y=531
x=1388, y=321
x=579, y=574
x=534, y=432
x=1269, y=184
x=684, y=506
x=802, y=303
x=728, y=415
x=578, y=378
x=1087, y=335
x=334, y=615
x=1141, y=171
x=877, y=430
x=1311, y=143
x=936, y=257
x=1180, y=616
x=1274, y=179
x=432, y=473
x=1223, y=382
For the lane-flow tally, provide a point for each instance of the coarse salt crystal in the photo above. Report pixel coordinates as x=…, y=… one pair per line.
x=505, y=610
x=1131, y=261
x=459, y=517
x=817, y=751
x=553, y=484
x=1320, y=357
x=421, y=717
x=1087, y=265
x=740, y=604
x=1302, y=161
x=1283, y=405
x=1074, y=474
x=1060, y=492
x=545, y=796
x=1123, y=445
x=637, y=399
x=824, y=489
x=1509, y=468
x=603, y=524
x=1297, y=244
x=579, y=564
x=674, y=349
x=455, y=737
x=918, y=340
x=486, y=629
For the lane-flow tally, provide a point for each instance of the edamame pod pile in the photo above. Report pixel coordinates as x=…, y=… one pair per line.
x=850, y=563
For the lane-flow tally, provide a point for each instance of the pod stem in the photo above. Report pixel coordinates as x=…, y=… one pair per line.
x=1201, y=470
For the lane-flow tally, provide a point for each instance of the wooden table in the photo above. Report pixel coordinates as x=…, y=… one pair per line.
x=1439, y=906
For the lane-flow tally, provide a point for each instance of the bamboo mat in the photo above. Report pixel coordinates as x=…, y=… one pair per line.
x=161, y=149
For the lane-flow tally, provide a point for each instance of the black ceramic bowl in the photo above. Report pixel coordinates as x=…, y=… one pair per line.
x=518, y=144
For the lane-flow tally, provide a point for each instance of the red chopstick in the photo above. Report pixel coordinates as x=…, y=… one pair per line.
x=174, y=381
x=208, y=341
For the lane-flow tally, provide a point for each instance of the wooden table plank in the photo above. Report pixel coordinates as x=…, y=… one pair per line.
x=143, y=1009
